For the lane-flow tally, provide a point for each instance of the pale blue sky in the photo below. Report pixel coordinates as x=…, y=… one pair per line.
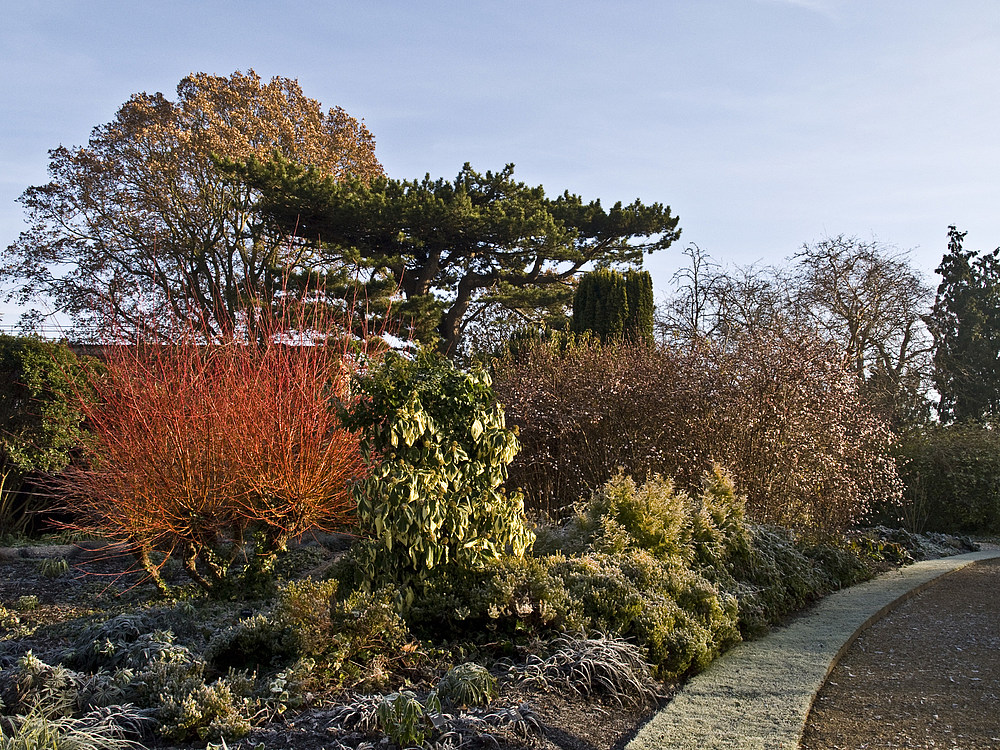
x=762, y=123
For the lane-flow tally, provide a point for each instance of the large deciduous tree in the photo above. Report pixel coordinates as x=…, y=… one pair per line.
x=868, y=299
x=965, y=323
x=140, y=223
x=452, y=247
x=863, y=297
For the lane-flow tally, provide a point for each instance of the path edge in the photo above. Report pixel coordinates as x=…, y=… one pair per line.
x=964, y=560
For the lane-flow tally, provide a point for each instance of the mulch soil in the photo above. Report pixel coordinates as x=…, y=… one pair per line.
x=925, y=676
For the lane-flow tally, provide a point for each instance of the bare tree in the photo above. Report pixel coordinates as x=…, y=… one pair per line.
x=863, y=297
x=713, y=302
x=867, y=298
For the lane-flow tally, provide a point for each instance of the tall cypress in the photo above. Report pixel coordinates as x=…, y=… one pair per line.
x=615, y=306
x=639, y=296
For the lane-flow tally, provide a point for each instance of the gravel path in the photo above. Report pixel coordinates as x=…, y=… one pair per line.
x=757, y=696
x=925, y=676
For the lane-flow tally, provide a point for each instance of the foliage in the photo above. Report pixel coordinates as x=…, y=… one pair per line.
x=584, y=411
x=681, y=620
x=26, y=603
x=403, y=718
x=778, y=573
x=615, y=306
x=54, y=707
x=799, y=439
x=601, y=579
x=503, y=598
x=53, y=567
x=140, y=223
x=779, y=410
x=100, y=729
x=682, y=576
x=438, y=452
x=188, y=706
x=868, y=299
x=456, y=247
x=704, y=531
x=217, y=453
x=587, y=667
x=467, y=684
x=862, y=298
x=965, y=323
x=40, y=421
x=952, y=478
x=368, y=633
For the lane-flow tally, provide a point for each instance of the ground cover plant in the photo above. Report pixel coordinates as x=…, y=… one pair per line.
x=305, y=667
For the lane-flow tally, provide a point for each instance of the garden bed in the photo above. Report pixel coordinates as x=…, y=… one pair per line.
x=55, y=598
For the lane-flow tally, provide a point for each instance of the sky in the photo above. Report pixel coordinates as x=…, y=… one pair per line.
x=763, y=124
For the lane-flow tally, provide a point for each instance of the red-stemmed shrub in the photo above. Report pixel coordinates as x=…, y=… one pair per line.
x=221, y=452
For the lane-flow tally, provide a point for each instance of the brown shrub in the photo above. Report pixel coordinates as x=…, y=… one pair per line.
x=780, y=411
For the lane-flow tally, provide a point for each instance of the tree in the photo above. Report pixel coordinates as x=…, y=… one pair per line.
x=862, y=297
x=615, y=306
x=866, y=298
x=141, y=224
x=449, y=246
x=965, y=324
x=722, y=304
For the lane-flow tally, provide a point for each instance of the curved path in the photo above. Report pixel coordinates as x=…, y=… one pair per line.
x=927, y=675
x=757, y=696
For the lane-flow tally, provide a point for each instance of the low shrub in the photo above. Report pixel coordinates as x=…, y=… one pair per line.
x=586, y=667
x=506, y=598
x=703, y=530
x=368, y=637
x=467, y=684
x=684, y=576
x=189, y=707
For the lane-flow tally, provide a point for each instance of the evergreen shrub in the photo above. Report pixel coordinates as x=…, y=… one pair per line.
x=41, y=421
x=438, y=449
x=952, y=478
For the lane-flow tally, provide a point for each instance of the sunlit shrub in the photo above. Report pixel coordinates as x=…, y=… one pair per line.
x=779, y=410
x=586, y=411
x=438, y=450
x=218, y=453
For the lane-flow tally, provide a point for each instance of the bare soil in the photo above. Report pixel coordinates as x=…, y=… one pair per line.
x=925, y=676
